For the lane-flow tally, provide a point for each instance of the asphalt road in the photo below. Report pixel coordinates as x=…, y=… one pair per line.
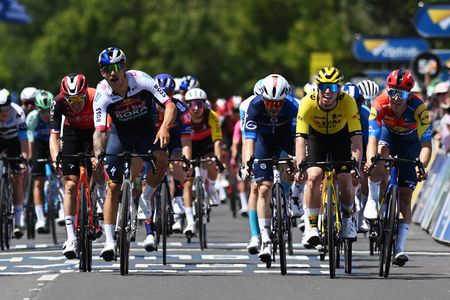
x=36, y=269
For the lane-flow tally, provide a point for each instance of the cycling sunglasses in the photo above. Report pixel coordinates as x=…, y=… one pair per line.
x=27, y=102
x=75, y=99
x=273, y=103
x=334, y=87
x=195, y=103
x=112, y=67
x=401, y=94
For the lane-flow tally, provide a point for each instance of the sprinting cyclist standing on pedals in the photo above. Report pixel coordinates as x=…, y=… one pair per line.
x=399, y=124
x=269, y=128
x=128, y=96
x=328, y=122
x=74, y=103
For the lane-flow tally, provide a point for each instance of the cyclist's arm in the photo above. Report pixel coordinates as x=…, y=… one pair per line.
x=54, y=143
x=100, y=134
x=99, y=141
x=375, y=125
x=32, y=120
x=186, y=147
x=250, y=133
x=354, y=128
x=425, y=153
x=302, y=129
x=300, y=149
x=357, y=147
x=22, y=134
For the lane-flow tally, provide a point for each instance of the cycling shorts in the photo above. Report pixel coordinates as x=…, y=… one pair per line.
x=41, y=150
x=76, y=141
x=12, y=148
x=407, y=147
x=202, y=147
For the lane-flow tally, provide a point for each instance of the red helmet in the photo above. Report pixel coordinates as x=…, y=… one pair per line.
x=400, y=79
x=221, y=107
x=233, y=103
x=74, y=84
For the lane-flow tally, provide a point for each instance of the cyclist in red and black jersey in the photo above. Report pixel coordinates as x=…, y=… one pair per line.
x=74, y=103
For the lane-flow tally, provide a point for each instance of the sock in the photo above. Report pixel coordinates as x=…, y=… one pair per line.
x=109, y=233
x=402, y=234
x=189, y=215
x=253, y=221
x=374, y=190
x=347, y=210
x=243, y=197
x=264, y=225
x=39, y=209
x=296, y=190
x=18, y=212
x=149, y=226
x=313, y=216
x=70, y=220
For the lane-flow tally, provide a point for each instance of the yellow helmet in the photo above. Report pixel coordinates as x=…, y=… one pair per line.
x=329, y=75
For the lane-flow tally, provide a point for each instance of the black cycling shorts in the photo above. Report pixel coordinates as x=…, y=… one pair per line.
x=76, y=141
x=12, y=148
x=202, y=147
x=41, y=150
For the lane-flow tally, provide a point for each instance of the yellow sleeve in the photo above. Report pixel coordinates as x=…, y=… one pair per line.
x=303, y=115
x=423, y=120
x=353, y=118
x=213, y=121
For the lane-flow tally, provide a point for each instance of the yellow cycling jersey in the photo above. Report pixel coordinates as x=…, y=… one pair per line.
x=310, y=115
x=208, y=127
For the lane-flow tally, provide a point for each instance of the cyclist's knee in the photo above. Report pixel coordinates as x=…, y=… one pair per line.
x=70, y=184
x=264, y=188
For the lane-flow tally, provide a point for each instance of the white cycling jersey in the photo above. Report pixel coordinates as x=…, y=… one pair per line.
x=15, y=125
x=243, y=111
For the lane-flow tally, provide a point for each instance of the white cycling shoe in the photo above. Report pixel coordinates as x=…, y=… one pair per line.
x=371, y=210
x=70, y=249
x=253, y=245
x=349, y=230
x=149, y=243
x=108, y=252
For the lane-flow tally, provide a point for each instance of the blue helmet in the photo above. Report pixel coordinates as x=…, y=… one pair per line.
x=189, y=82
x=166, y=82
x=111, y=55
x=353, y=90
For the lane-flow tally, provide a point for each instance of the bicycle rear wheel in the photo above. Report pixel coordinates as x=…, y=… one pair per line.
x=390, y=228
x=51, y=198
x=2, y=214
x=331, y=233
x=165, y=202
x=30, y=215
x=199, y=208
x=348, y=256
x=124, y=239
x=82, y=228
x=8, y=216
x=280, y=229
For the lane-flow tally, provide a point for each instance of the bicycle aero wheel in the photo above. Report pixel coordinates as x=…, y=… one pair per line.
x=2, y=210
x=124, y=239
x=348, y=256
x=331, y=233
x=280, y=229
x=83, y=236
x=164, y=197
x=51, y=198
x=30, y=216
x=389, y=230
x=199, y=208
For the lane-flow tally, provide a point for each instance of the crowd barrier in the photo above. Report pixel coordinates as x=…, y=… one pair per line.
x=432, y=202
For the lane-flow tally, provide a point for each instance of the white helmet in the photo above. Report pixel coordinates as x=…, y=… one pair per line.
x=195, y=94
x=28, y=93
x=369, y=89
x=275, y=87
x=258, y=89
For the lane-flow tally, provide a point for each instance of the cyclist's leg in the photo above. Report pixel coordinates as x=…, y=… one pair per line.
x=40, y=151
x=18, y=183
x=177, y=202
x=212, y=175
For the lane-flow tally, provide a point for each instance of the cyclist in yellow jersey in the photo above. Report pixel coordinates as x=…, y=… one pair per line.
x=328, y=122
x=206, y=142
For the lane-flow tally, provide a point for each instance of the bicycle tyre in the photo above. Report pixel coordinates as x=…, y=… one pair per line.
x=2, y=217
x=9, y=216
x=199, y=208
x=290, y=240
x=51, y=197
x=30, y=215
x=82, y=228
x=348, y=256
x=124, y=241
x=381, y=239
x=331, y=233
x=165, y=202
x=338, y=253
x=389, y=236
x=280, y=230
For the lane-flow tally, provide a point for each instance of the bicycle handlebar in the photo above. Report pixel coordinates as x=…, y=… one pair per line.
x=395, y=160
x=330, y=165
x=275, y=160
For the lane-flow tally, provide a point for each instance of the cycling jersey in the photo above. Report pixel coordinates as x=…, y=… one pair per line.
x=415, y=120
x=182, y=123
x=133, y=110
x=364, y=113
x=81, y=120
x=15, y=125
x=237, y=133
x=37, y=128
x=311, y=116
x=207, y=128
x=243, y=112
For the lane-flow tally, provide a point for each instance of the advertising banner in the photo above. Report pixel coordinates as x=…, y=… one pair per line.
x=433, y=21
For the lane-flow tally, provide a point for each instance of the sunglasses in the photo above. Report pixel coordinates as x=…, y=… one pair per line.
x=44, y=111
x=401, y=94
x=27, y=102
x=75, y=99
x=195, y=103
x=334, y=87
x=112, y=67
x=273, y=103
x=5, y=108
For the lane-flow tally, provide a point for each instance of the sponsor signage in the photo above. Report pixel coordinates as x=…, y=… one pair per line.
x=388, y=49
x=433, y=21
x=425, y=63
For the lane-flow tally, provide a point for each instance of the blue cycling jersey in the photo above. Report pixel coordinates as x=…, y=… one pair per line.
x=37, y=128
x=259, y=121
x=364, y=113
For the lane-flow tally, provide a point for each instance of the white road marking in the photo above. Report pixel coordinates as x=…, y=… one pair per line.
x=224, y=257
x=215, y=271
x=49, y=277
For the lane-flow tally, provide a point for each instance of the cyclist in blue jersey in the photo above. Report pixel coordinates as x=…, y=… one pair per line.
x=38, y=123
x=269, y=128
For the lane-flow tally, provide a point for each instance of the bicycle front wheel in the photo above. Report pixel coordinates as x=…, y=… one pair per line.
x=390, y=228
x=331, y=233
x=348, y=255
x=199, y=211
x=124, y=239
x=82, y=228
x=165, y=202
x=51, y=198
x=280, y=229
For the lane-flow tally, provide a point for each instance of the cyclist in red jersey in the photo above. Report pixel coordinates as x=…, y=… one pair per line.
x=75, y=104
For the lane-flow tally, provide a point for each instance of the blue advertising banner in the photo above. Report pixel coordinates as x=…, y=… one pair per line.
x=379, y=76
x=388, y=49
x=13, y=12
x=433, y=21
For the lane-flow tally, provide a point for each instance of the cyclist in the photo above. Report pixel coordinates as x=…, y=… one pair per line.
x=269, y=127
x=206, y=142
x=74, y=104
x=13, y=141
x=328, y=122
x=27, y=98
x=127, y=96
x=38, y=124
x=180, y=144
x=187, y=82
x=399, y=124
x=369, y=89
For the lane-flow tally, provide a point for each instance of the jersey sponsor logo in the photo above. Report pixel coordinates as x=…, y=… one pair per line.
x=251, y=125
x=97, y=96
x=181, y=107
x=159, y=90
x=98, y=114
x=274, y=120
x=263, y=166
x=424, y=118
x=373, y=114
x=186, y=118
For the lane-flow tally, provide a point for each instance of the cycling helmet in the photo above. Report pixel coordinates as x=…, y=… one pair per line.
x=166, y=82
x=275, y=87
x=258, y=89
x=195, y=94
x=111, y=55
x=44, y=100
x=369, y=89
x=5, y=98
x=353, y=90
x=74, y=84
x=400, y=79
x=28, y=93
x=234, y=102
x=309, y=88
x=329, y=75
x=189, y=82
x=222, y=107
